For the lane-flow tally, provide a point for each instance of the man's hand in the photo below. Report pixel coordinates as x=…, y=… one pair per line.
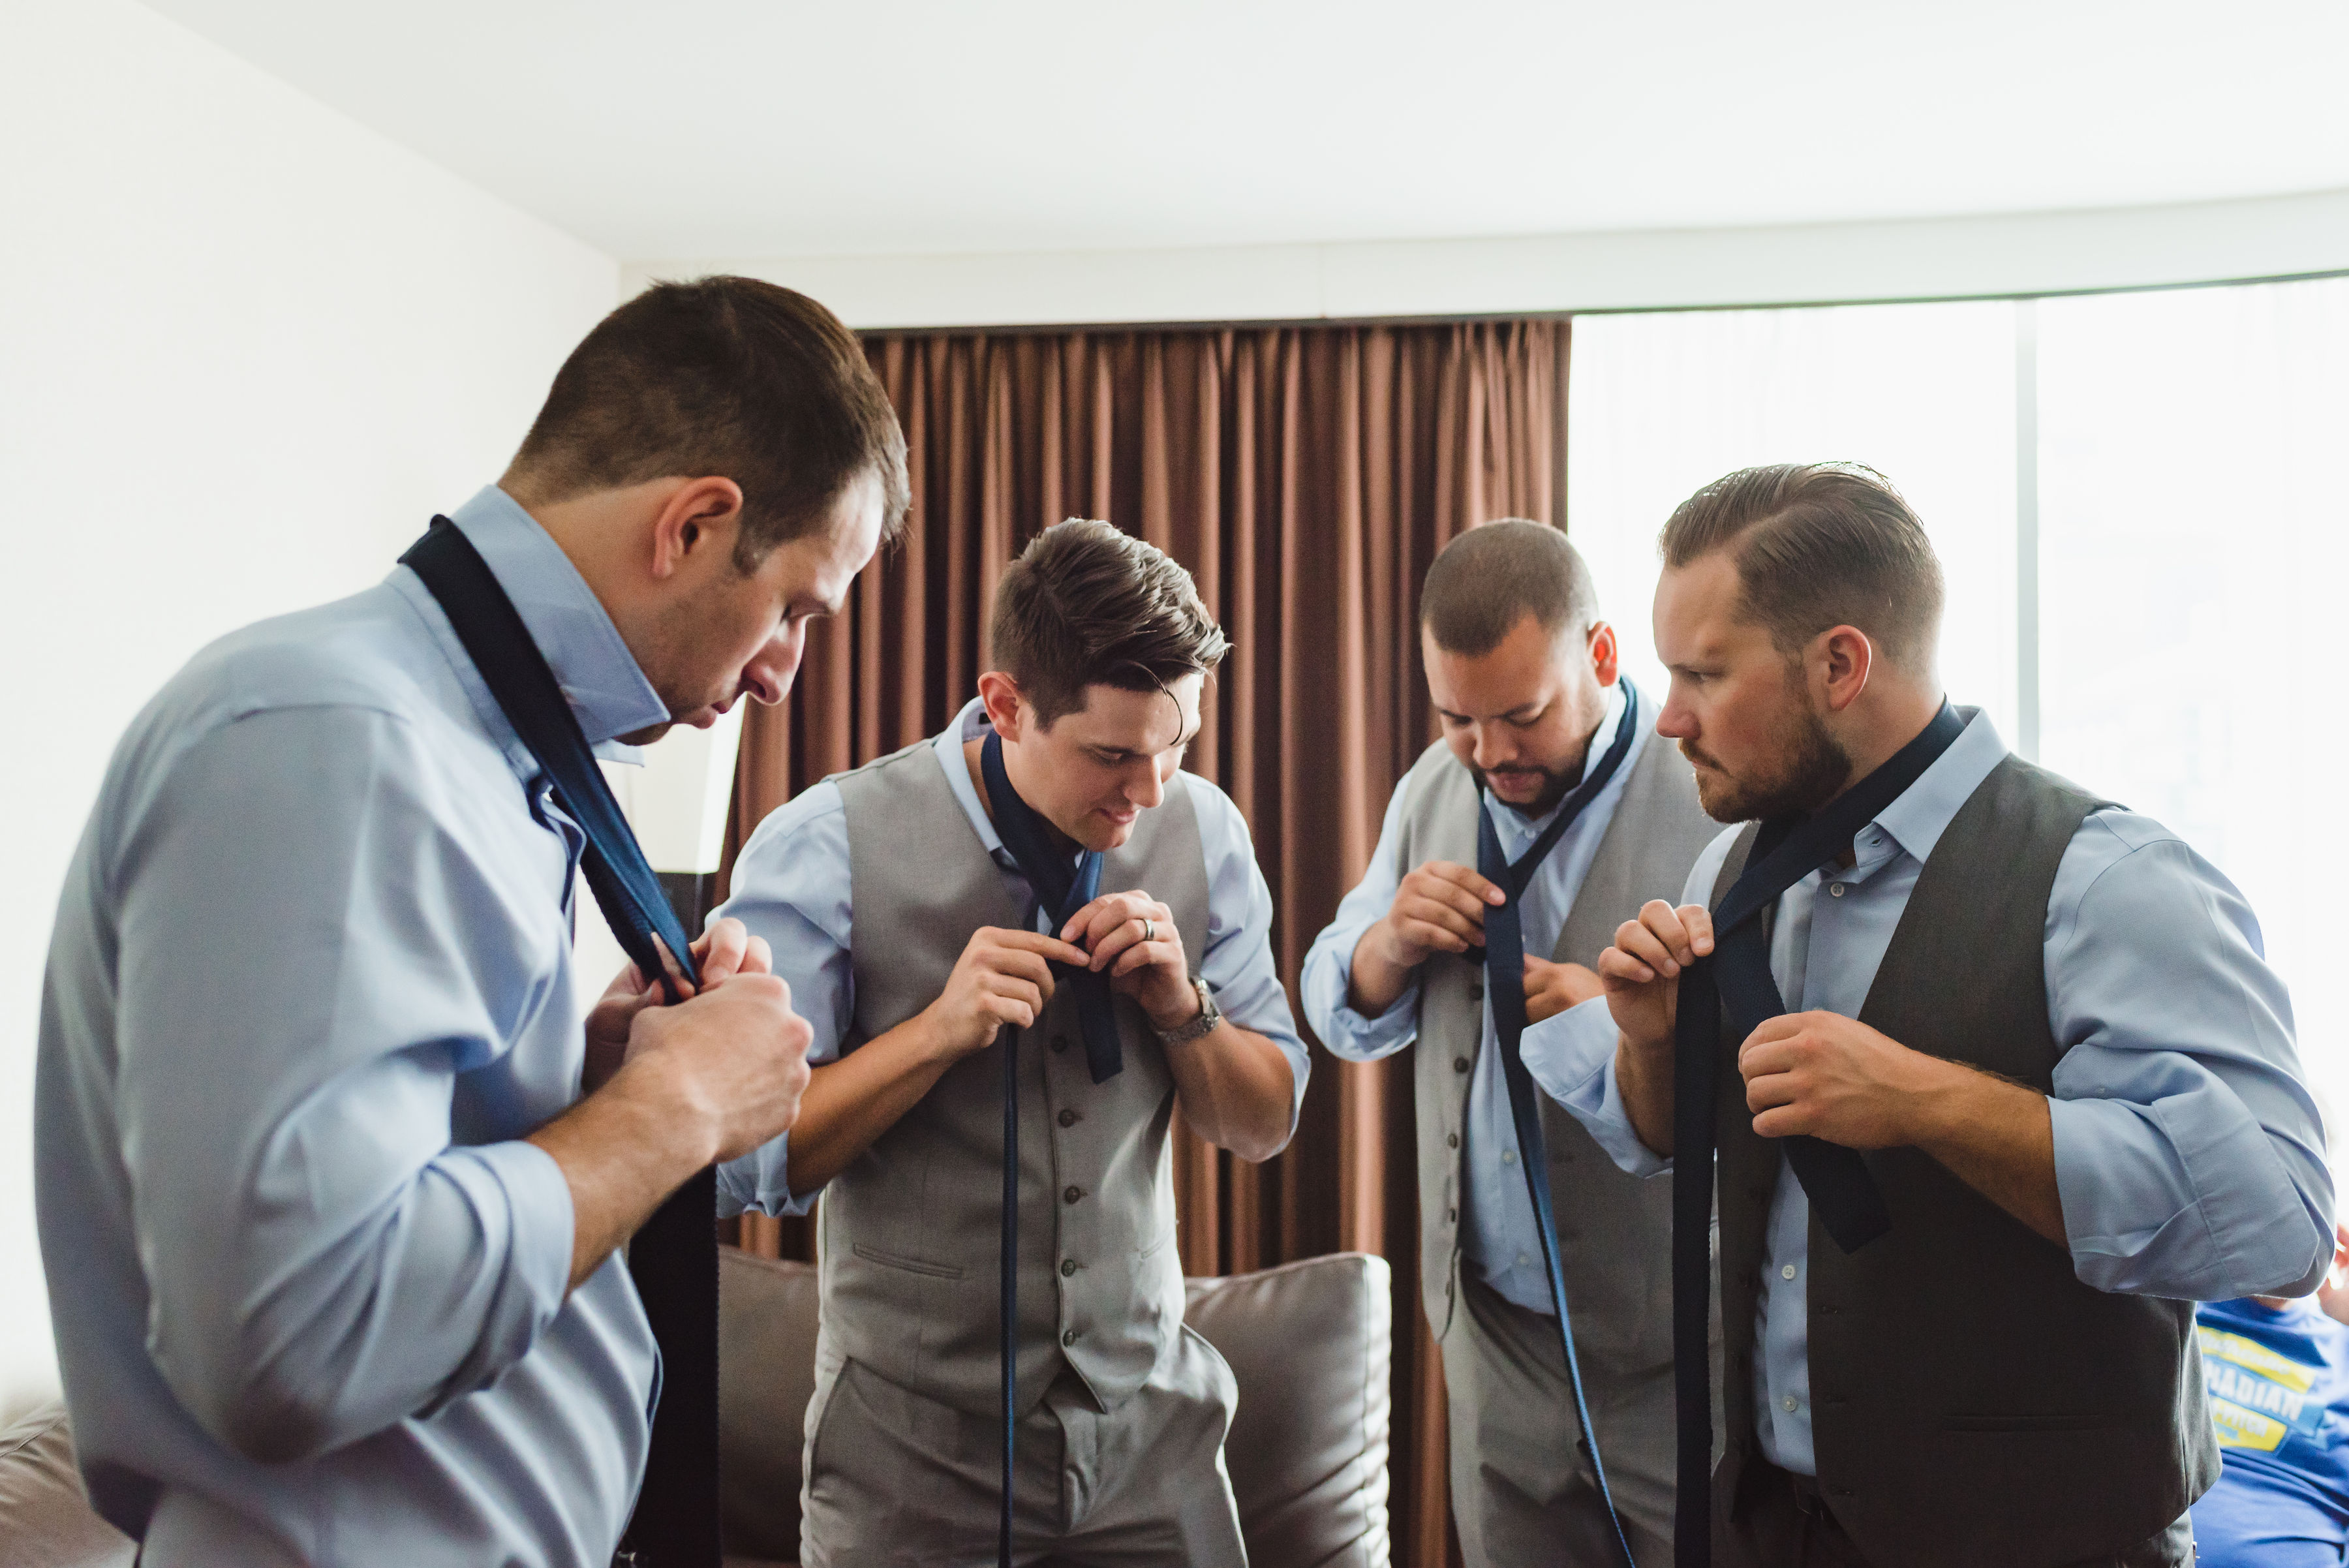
x=727, y=949
x=1003, y=977
x=1439, y=907
x=1642, y=975
x=732, y=1060
x=1552, y=988
x=1132, y=938
x=1835, y=1078
x=1642, y=970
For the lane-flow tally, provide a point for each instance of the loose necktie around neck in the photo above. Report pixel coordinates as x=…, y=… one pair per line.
x=1062, y=884
x=1735, y=978
x=673, y=1258
x=1504, y=988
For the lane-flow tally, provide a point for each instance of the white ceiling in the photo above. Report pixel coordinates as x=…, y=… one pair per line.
x=748, y=128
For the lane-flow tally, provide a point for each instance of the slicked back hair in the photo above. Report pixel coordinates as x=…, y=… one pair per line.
x=1085, y=605
x=1819, y=545
x=1493, y=576
x=730, y=377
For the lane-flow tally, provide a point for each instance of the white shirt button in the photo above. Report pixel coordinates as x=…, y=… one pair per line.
x=1786, y=1271
x=1508, y=1157
x=1789, y=1403
x=1522, y=1260
x=1835, y=889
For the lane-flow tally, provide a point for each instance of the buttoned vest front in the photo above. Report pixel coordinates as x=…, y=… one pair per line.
x=1614, y=1229
x=1972, y=1402
x=910, y=1230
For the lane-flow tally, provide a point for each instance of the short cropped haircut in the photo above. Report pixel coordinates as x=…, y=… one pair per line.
x=1085, y=605
x=1818, y=544
x=1493, y=576
x=728, y=376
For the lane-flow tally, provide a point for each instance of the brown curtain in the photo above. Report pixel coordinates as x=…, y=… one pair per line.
x=1306, y=477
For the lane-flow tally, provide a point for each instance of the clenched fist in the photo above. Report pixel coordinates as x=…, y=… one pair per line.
x=1003, y=977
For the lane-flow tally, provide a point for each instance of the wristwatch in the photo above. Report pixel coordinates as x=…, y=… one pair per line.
x=1198, y=1028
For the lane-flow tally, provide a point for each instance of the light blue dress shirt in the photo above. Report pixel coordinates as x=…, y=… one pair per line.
x=1497, y=1233
x=310, y=986
x=791, y=885
x=2189, y=1154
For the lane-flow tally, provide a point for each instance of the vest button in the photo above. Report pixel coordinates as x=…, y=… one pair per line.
x=1068, y=1267
x=1476, y=993
x=1059, y=1043
x=1068, y=1336
x=1460, y=1063
x=1452, y=1140
x=1068, y=1118
x=1452, y=1217
x=1072, y=1194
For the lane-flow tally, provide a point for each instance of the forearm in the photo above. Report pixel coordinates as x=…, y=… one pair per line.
x=853, y=1101
x=1644, y=1077
x=1994, y=1136
x=1375, y=982
x=621, y=1151
x=1236, y=1090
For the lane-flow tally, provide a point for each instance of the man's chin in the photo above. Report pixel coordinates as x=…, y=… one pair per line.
x=647, y=736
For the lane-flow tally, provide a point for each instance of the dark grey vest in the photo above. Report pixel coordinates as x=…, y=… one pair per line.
x=1614, y=1230
x=1973, y=1402
x=909, y=1231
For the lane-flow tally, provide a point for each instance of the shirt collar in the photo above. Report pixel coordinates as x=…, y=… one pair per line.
x=600, y=677
x=969, y=725
x=1917, y=818
x=1518, y=829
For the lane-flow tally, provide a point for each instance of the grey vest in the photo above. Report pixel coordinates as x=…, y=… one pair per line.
x=910, y=1230
x=1614, y=1230
x=1972, y=1401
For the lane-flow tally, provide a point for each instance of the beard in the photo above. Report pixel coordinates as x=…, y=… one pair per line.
x=1555, y=783
x=1808, y=773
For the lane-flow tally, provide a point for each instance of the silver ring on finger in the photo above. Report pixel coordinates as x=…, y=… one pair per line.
x=1149, y=930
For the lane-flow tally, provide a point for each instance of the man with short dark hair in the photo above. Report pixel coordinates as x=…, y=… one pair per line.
x=331, y=1231
x=2004, y=1082
x=1546, y=746
x=1033, y=923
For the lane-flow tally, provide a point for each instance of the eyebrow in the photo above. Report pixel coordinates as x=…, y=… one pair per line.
x=1533, y=706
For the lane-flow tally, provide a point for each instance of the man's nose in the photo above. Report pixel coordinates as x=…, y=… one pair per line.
x=1493, y=748
x=768, y=677
x=1677, y=722
x=1148, y=788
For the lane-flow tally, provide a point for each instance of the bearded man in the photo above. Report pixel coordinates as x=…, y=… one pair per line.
x=2001, y=1080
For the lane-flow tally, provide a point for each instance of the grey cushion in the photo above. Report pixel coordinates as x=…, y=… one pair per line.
x=1309, y=1345
x=45, y=1517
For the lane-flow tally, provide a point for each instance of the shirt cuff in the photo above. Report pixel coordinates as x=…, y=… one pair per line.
x=1572, y=1056
x=761, y=1180
x=1353, y=1037
x=520, y=1183
x=2139, y=1222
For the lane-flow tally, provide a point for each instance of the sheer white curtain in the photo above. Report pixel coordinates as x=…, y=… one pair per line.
x=2194, y=550
x=1659, y=404
x=2193, y=539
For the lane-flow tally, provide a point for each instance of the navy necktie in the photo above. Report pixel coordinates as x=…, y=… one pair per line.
x=1735, y=978
x=1062, y=884
x=673, y=1258
x=1504, y=987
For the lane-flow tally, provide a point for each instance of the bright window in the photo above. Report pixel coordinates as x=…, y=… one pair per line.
x=2189, y=513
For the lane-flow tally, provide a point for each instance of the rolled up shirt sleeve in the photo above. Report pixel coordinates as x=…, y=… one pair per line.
x=1329, y=969
x=304, y=970
x=1238, y=965
x=2188, y=1153
x=791, y=885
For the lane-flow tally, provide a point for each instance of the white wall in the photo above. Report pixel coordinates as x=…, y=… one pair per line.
x=1921, y=259
x=246, y=350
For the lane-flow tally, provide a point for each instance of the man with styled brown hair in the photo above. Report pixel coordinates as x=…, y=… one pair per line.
x=1021, y=944
x=1999, y=1081
x=1546, y=779
x=331, y=1228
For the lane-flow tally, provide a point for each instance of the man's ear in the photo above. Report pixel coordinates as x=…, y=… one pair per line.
x=699, y=514
x=1606, y=657
x=1001, y=696
x=1841, y=659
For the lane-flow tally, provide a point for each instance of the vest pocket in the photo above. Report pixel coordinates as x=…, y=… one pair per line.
x=910, y=1265
x=2088, y=1423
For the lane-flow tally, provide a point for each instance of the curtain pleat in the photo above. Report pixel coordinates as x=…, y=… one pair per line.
x=1306, y=477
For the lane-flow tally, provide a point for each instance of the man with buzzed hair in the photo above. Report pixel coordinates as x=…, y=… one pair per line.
x=1032, y=924
x=2000, y=1080
x=1545, y=765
